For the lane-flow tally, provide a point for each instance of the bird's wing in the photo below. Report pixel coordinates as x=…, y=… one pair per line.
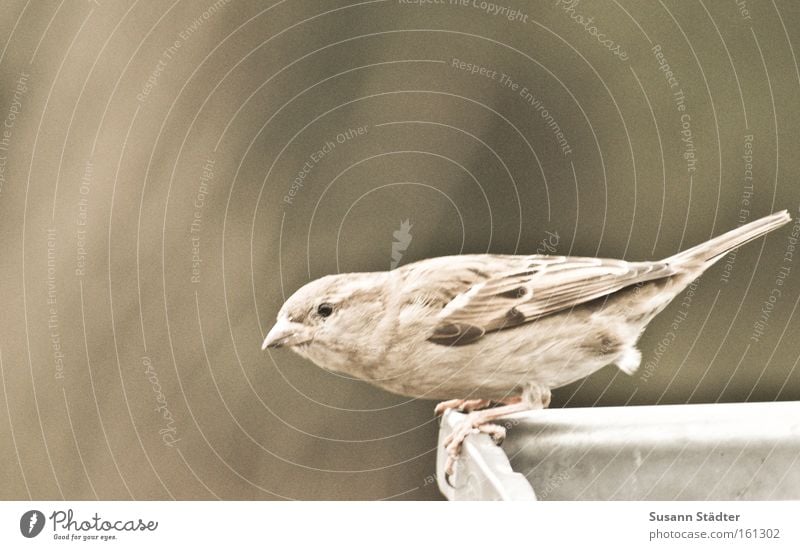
x=529, y=287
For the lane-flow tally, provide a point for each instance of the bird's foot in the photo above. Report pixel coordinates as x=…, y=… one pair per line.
x=535, y=397
x=463, y=405
x=475, y=422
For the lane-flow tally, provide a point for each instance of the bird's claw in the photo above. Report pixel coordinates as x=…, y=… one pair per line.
x=470, y=425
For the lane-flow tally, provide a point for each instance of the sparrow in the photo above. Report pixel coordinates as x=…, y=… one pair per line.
x=478, y=330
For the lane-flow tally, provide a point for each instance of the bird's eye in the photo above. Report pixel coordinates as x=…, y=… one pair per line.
x=324, y=310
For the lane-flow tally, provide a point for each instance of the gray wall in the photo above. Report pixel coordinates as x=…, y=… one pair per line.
x=126, y=375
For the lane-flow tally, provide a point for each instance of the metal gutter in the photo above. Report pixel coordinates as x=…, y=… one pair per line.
x=738, y=451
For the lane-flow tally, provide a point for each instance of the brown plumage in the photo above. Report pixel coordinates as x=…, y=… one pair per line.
x=491, y=327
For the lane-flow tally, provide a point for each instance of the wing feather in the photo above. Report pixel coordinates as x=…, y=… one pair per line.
x=520, y=289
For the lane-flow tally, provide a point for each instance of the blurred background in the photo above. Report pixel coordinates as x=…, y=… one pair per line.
x=171, y=171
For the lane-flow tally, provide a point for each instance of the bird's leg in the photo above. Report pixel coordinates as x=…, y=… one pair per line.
x=511, y=400
x=463, y=405
x=469, y=405
x=534, y=397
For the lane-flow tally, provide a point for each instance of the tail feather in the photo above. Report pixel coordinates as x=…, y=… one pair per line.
x=710, y=251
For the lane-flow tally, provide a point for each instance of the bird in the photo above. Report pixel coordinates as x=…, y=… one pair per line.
x=489, y=334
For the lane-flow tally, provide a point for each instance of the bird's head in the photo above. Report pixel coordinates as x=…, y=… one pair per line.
x=333, y=320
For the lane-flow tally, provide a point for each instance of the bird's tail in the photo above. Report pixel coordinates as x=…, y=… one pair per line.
x=709, y=252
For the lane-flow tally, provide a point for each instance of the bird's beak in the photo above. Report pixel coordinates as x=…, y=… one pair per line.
x=286, y=333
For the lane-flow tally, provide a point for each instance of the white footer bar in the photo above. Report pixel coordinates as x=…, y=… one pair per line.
x=354, y=525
